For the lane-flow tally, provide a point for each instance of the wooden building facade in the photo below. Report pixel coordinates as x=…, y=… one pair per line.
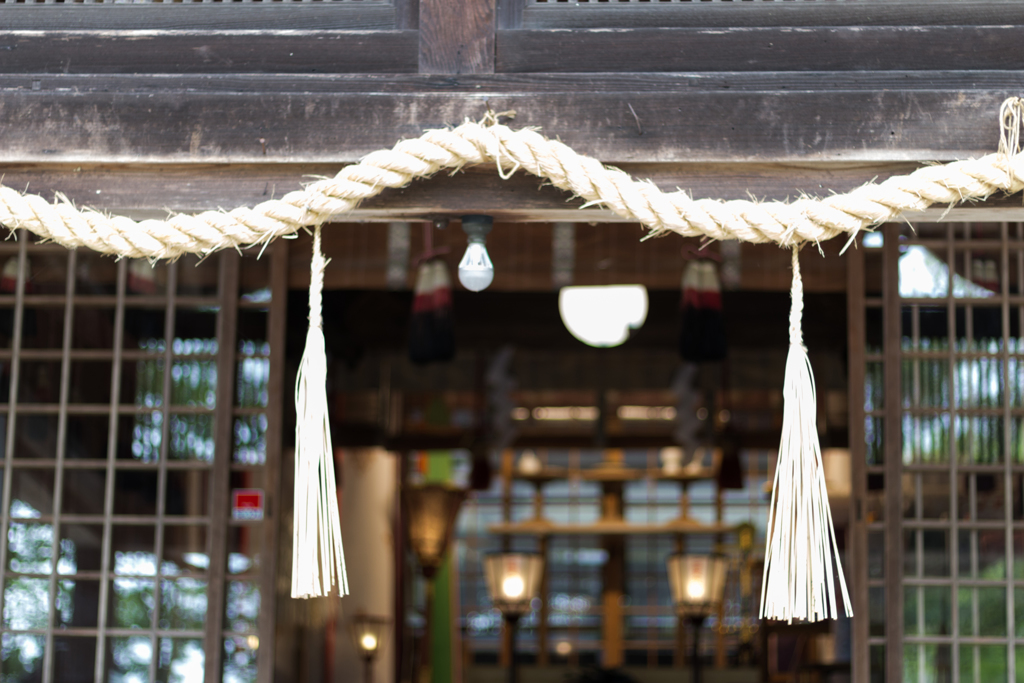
x=166, y=388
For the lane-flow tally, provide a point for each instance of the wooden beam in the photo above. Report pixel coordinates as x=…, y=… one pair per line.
x=761, y=14
x=457, y=36
x=819, y=48
x=678, y=117
x=205, y=16
x=153, y=190
x=194, y=51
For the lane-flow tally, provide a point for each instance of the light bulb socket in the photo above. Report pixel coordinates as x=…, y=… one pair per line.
x=477, y=227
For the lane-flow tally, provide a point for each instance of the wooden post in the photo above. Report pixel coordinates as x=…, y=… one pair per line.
x=613, y=578
x=613, y=575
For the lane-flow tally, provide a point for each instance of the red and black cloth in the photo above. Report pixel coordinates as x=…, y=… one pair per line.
x=702, y=337
x=432, y=326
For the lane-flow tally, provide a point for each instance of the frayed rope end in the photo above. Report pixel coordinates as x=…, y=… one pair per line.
x=318, y=561
x=799, y=581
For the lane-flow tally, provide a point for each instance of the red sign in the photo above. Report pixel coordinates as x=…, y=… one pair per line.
x=247, y=504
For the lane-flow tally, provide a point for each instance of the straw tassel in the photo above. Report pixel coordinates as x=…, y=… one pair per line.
x=318, y=562
x=799, y=580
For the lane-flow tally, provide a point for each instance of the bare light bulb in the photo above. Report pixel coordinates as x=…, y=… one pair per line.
x=476, y=272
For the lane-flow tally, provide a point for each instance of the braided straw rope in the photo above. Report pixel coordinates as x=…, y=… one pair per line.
x=787, y=224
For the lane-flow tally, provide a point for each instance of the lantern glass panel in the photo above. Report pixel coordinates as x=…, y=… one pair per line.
x=513, y=580
x=697, y=583
x=368, y=634
x=432, y=510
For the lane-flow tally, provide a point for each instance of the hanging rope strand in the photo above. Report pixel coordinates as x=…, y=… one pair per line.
x=787, y=224
x=799, y=580
x=318, y=561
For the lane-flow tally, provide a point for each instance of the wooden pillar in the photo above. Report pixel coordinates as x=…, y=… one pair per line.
x=614, y=585
x=613, y=579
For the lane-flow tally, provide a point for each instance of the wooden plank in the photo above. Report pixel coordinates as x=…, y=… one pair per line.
x=856, y=564
x=277, y=325
x=88, y=120
x=759, y=49
x=191, y=51
x=456, y=36
x=151, y=191
x=220, y=474
x=733, y=14
x=892, y=440
x=207, y=16
x=367, y=84
x=613, y=592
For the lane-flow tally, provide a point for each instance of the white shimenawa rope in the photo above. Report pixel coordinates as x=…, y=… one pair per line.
x=798, y=575
x=803, y=220
x=318, y=561
x=798, y=582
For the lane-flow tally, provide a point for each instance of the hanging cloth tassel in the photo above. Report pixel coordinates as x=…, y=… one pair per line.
x=318, y=562
x=702, y=336
x=799, y=582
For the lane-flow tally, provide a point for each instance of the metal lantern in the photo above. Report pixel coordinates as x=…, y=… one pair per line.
x=513, y=581
x=368, y=634
x=432, y=509
x=697, y=583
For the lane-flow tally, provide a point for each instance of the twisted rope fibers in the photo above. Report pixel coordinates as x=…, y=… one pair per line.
x=785, y=223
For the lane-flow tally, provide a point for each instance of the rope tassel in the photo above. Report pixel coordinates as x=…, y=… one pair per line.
x=799, y=580
x=318, y=561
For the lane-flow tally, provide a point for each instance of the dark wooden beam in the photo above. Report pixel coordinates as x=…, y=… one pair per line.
x=761, y=14
x=206, y=16
x=457, y=36
x=192, y=51
x=844, y=48
x=707, y=118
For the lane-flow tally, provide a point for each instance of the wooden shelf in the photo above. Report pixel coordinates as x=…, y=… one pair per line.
x=685, y=474
x=543, y=527
x=541, y=476
x=611, y=473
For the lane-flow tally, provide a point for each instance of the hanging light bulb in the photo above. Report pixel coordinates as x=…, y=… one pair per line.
x=476, y=272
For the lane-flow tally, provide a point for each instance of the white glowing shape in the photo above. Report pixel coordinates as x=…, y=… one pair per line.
x=925, y=275
x=368, y=642
x=695, y=589
x=476, y=272
x=513, y=587
x=603, y=316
